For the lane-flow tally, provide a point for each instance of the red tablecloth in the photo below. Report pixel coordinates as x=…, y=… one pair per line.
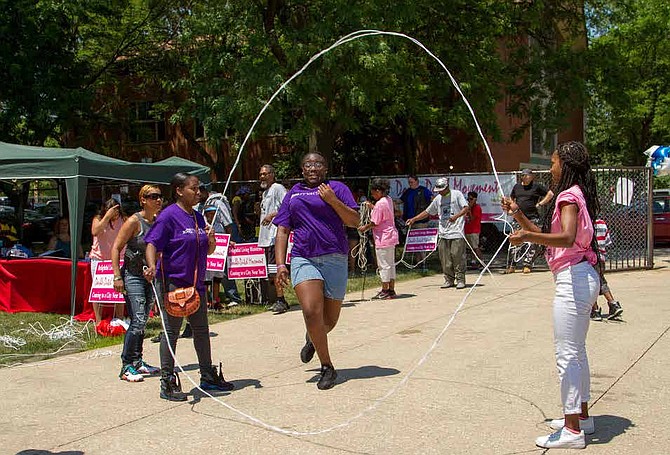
x=42, y=285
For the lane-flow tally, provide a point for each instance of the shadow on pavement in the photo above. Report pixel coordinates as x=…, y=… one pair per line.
x=48, y=452
x=608, y=427
x=364, y=372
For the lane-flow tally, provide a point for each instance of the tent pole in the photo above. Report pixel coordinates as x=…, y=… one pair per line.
x=76, y=192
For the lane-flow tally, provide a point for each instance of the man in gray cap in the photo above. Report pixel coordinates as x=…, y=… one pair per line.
x=451, y=207
x=530, y=196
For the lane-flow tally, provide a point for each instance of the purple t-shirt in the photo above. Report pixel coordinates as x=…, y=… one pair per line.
x=317, y=228
x=173, y=234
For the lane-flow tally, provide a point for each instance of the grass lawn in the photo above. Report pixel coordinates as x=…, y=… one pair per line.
x=45, y=335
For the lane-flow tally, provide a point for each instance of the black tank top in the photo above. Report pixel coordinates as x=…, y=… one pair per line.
x=133, y=259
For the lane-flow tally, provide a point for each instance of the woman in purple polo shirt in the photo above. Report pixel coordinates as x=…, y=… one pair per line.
x=179, y=234
x=316, y=210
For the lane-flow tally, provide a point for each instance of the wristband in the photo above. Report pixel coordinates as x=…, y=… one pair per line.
x=513, y=212
x=281, y=266
x=118, y=278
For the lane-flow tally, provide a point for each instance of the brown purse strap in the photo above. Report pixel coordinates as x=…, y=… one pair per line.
x=197, y=249
x=197, y=256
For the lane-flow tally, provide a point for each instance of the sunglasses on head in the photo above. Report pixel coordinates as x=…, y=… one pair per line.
x=154, y=196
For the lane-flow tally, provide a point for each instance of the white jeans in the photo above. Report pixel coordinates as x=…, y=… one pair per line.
x=386, y=263
x=577, y=289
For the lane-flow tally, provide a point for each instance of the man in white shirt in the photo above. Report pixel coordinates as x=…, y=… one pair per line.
x=273, y=195
x=451, y=207
x=223, y=222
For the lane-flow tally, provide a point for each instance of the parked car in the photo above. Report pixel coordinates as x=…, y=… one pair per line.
x=37, y=227
x=661, y=213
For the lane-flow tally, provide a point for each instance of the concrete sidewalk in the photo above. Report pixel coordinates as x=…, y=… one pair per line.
x=487, y=387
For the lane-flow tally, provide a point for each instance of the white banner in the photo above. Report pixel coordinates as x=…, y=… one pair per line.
x=486, y=187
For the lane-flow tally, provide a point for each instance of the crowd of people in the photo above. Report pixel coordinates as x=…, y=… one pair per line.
x=162, y=250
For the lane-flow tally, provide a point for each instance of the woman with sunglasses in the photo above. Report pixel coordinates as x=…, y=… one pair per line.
x=130, y=281
x=316, y=210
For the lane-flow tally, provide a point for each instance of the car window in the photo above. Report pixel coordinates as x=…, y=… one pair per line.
x=661, y=205
x=658, y=206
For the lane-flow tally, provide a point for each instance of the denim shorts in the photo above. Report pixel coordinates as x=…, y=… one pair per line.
x=329, y=268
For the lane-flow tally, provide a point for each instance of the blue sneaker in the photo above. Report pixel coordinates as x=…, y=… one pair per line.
x=130, y=374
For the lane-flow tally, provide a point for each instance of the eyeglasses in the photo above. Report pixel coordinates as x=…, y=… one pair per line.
x=154, y=196
x=313, y=165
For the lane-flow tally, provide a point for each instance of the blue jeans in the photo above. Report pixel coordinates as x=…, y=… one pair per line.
x=139, y=299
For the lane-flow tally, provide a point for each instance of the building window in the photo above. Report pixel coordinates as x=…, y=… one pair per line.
x=542, y=142
x=147, y=125
x=198, y=129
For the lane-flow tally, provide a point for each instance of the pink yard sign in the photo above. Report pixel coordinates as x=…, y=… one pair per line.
x=246, y=260
x=289, y=248
x=421, y=240
x=217, y=260
x=102, y=289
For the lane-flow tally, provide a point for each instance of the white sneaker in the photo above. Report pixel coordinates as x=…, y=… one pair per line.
x=460, y=285
x=447, y=285
x=587, y=425
x=145, y=368
x=562, y=439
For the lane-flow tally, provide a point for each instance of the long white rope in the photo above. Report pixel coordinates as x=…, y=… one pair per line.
x=360, y=251
x=376, y=403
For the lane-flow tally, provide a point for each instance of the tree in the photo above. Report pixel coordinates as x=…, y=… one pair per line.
x=56, y=55
x=227, y=61
x=630, y=91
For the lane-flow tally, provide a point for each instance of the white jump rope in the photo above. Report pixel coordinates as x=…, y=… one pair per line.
x=376, y=403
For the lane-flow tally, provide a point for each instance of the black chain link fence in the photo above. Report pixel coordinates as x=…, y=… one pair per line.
x=625, y=198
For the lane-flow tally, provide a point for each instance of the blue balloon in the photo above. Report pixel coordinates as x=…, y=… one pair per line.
x=659, y=160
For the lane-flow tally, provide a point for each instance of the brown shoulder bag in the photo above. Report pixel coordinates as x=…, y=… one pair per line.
x=184, y=302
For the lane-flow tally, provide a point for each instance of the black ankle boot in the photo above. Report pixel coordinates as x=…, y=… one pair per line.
x=211, y=379
x=171, y=388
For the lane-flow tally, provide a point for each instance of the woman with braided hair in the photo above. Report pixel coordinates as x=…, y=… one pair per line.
x=568, y=233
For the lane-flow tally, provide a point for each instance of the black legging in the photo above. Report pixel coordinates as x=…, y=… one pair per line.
x=200, y=327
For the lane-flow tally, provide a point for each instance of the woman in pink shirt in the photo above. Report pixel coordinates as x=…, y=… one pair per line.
x=571, y=255
x=105, y=227
x=385, y=235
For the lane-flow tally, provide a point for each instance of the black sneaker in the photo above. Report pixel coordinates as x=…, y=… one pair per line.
x=188, y=332
x=328, y=377
x=615, y=310
x=212, y=379
x=157, y=338
x=281, y=306
x=171, y=388
x=596, y=315
x=307, y=351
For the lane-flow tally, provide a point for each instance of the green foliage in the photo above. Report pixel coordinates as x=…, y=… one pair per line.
x=218, y=62
x=228, y=61
x=630, y=91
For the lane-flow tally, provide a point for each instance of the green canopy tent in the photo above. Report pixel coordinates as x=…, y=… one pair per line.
x=76, y=167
